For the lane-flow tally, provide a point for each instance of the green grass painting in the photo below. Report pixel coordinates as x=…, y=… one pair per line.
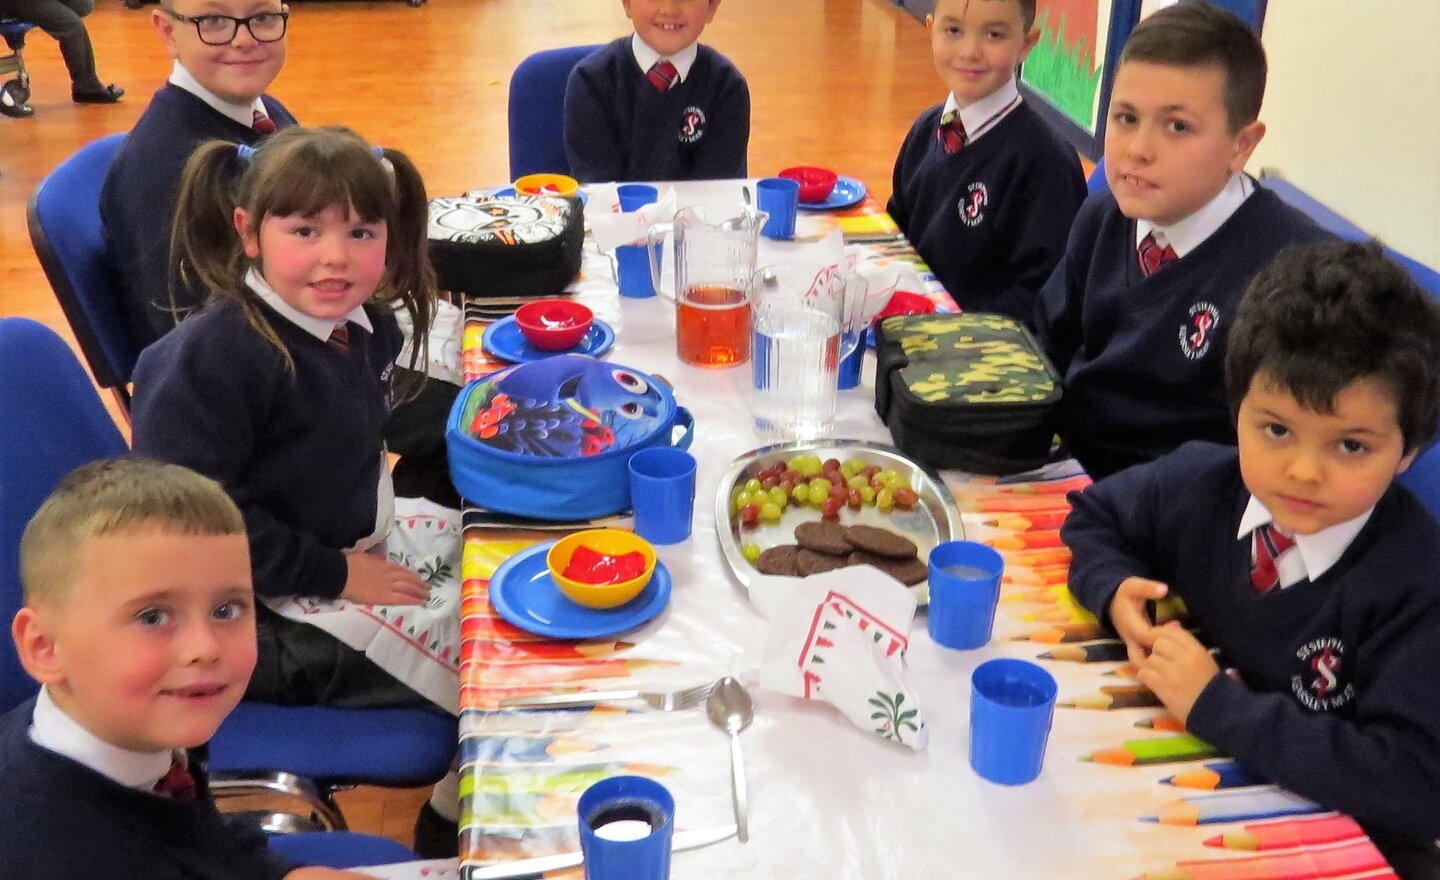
x=1067, y=76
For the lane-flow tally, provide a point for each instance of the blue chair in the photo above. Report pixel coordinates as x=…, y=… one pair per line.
x=65, y=230
x=53, y=422
x=340, y=850
x=537, y=111
x=1096, y=181
x=15, y=93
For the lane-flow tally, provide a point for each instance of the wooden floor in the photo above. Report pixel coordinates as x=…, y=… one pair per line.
x=833, y=82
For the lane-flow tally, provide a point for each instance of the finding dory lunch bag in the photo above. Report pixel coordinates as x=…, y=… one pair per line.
x=971, y=391
x=486, y=246
x=552, y=439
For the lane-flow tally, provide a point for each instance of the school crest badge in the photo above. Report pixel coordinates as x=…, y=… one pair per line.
x=1199, y=329
x=973, y=203
x=1324, y=682
x=692, y=125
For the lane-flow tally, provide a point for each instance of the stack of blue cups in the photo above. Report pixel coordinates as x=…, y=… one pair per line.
x=631, y=260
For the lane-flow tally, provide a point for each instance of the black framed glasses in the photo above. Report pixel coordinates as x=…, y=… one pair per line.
x=219, y=30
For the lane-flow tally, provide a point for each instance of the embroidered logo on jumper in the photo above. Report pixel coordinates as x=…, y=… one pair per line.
x=1322, y=684
x=692, y=125
x=1198, y=329
x=972, y=204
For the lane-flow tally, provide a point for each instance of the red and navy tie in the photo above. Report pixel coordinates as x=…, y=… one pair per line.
x=1269, y=544
x=951, y=133
x=340, y=338
x=662, y=75
x=262, y=123
x=177, y=783
x=1152, y=256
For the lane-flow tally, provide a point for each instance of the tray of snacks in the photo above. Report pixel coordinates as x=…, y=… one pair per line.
x=806, y=507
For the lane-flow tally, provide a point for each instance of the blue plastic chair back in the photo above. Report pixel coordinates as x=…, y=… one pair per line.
x=53, y=422
x=340, y=850
x=1096, y=181
x=537, y=111
x=65, y=229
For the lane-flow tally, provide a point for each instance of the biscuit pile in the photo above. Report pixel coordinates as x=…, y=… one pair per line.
x=825, y=546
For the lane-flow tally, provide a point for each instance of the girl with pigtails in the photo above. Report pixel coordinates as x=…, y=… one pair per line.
x=279, y=387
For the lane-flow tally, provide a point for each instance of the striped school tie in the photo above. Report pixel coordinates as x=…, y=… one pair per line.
x=177, y=782
x=262, y=123
x=340, y=338
x=662, y=75
x=1152, y=256
x=951, y=133
x=1269, y=544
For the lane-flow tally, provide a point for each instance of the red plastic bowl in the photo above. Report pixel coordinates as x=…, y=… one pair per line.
x=553, y=324
x=816, y=184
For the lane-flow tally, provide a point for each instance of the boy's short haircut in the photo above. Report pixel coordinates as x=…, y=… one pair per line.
x=1323, y=316
x=114, y=496
x=1196, y=33
x=1027, y=13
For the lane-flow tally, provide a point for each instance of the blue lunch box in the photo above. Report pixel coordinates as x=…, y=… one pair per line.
x=552, y=439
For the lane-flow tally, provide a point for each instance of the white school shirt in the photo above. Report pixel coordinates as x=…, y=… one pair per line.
x=1188, y=234
x=986, y=113
x=52, y=729
x=647, y=57
x=1312, y=555
x=241, y=113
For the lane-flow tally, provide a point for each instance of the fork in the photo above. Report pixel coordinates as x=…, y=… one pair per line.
x=669, y=701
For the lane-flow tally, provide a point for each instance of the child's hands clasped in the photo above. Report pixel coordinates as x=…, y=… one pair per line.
x=1129, y=617
x=374, y=580
x=1178, y=669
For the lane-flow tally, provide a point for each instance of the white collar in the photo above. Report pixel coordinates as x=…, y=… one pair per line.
x=56, y=731
x=646, y=57
x=241, y=113
x=1188, y=234
x=1318, y=551
x=320, y=328
x=985, y=113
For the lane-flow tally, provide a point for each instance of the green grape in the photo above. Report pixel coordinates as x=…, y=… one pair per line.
x=780, y=497
x=856, y=482
x=850, y=467
x=751, y=551
x=810, y=465
x=737, y=500
x=819, y=488
x=770, y=511
x=752, y=484
x=800, y=494
x=867, y=495
x=885, y=499
x=895, y=481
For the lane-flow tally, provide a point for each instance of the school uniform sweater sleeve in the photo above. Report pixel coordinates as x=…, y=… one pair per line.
x=1336, y=676
x=618, y=127
x=907, y=160
x=137, y=203
x=1059, y=307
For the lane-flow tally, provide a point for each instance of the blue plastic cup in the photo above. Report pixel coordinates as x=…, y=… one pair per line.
x=662, y=493
x=964, y=587
x=634, y=196
x=626, y=827
x=780, y=198
x=1011, y=705
x=850, y=367
x=632, y=268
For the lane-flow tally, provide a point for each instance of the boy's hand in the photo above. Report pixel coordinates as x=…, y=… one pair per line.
x=1178, y=669
x=1129, y=617
x=372, y=580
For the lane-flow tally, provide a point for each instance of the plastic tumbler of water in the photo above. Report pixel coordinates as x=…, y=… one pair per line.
x=627, y=825
x=964, y=587
x=1011, y=705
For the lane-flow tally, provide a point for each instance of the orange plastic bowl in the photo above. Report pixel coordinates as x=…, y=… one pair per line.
x=613, y=542
x=816, y=184
x=546, y=185
x=553, y=324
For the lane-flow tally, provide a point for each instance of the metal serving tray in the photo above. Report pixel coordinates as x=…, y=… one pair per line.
x=934, y=520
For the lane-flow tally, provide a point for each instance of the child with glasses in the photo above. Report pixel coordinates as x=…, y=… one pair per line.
x=227, y=52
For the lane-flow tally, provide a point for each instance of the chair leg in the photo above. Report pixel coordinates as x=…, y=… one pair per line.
x=319, y=803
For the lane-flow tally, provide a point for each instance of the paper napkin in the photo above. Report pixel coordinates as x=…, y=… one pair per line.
x=841, y=637
x=613, y=228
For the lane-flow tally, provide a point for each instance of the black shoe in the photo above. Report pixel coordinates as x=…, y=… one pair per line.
x=12, y=108
x=435, y=836
x=102, y=95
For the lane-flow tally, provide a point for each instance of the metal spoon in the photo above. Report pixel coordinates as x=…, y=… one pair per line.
x=731, y=710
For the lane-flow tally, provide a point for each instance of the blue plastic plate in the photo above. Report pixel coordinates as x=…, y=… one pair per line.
x=524, y=594
x=848, y=191
x=504, y=340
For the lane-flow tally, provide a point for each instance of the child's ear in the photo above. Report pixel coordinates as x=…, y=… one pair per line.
x=248, y=238
x=1406, y=462
x=1246, y=140
x=930, y=22
x=35, y=644
x=1029, y=43
x=165, y=26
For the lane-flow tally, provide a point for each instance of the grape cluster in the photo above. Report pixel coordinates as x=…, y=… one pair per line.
x=828, y=486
